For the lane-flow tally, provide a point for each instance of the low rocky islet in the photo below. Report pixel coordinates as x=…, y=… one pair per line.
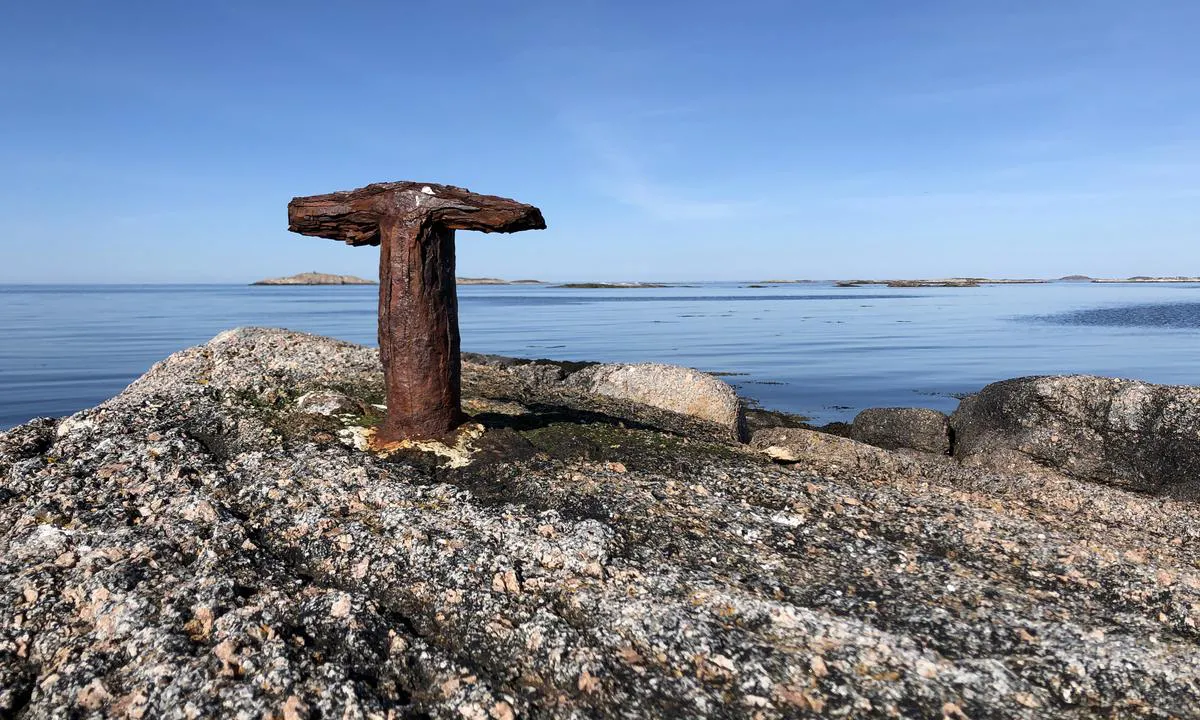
x=316, y=278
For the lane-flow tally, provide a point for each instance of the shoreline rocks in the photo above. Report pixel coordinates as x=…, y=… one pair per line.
x=206, y=545
x=917, y=429
x=1127, y=433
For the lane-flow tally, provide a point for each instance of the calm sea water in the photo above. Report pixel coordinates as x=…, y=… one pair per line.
x=813, y=349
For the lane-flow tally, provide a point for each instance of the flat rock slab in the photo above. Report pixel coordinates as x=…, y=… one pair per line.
x=831, y=455
x=191, y=549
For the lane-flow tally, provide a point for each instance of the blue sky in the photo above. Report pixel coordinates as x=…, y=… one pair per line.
x=161, y=141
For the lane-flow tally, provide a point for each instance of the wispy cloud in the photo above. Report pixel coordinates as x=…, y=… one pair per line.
x=618, y=168
x=951, y=92
x=1006, y=199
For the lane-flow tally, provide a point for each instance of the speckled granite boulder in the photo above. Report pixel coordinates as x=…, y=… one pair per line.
x=1126, y=433
x=669, y=397
x=918, y=429
x=676, y=389
x=196, y=547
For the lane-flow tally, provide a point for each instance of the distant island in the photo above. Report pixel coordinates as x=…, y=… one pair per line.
x=976, y=282
x=945, y=282
x=495, y=281
x=1148, y=279
x=316, y=278
x=611, y=286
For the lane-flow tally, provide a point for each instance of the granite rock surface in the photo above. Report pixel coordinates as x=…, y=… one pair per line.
x=199, y=547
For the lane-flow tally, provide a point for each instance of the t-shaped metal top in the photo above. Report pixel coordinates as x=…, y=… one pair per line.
x=414, y=224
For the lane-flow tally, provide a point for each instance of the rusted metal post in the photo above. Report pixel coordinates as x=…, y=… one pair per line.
x=418, y=303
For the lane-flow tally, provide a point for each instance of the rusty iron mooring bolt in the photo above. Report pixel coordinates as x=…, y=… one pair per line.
x=414, y=224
